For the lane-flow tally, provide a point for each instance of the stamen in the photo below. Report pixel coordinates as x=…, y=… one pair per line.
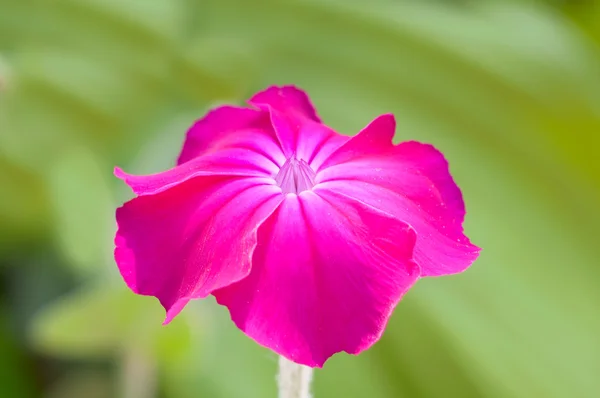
x=295, y=176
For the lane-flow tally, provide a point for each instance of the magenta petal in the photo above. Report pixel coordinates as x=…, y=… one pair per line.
x=240, y=161
x=229, y=141
x=373, y=140
x=410, y=181
x=224, y=127
x=290, y=110
x=289, y=100
x=316, y=142
x=327, y=273
x=192, y=238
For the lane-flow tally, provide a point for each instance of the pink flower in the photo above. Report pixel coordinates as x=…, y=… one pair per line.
x=308, y=237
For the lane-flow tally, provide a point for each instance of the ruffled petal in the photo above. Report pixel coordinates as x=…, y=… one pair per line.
x=326, y=275
x=290, y=109
x=229, y=141
x=232, y=127
x=316, y=142
x=286, y=99
x=250, y=153
x=372, y=141
x=410, y=181
x=192, y=238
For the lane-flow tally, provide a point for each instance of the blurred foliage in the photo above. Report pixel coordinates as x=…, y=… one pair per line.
x=509, y=90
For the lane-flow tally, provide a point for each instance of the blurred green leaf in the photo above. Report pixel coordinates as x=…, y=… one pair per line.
x=216, y=68
x=15, y=371
x=84, y=209
x=90, y=322
x=103, y=321
x=23, y=205
x=86, y=383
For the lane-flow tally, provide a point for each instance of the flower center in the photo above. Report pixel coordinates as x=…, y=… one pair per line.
x=295, y=176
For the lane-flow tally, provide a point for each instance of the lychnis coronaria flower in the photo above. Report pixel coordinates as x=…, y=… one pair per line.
x=309, y=238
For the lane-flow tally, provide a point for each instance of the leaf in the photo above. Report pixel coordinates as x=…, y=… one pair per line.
x=102, y=321
x=23, y=206
x=15, y=372
x=83, y=207
x=216, y=68
x=92, y=384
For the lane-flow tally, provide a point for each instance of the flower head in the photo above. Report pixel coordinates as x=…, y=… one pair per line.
x=308, y=237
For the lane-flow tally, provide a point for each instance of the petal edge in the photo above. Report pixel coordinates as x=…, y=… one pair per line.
x=307, y=298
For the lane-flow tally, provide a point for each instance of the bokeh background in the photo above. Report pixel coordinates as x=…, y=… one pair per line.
x=509, y=90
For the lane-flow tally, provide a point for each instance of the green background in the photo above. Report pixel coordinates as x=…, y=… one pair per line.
x=508, y=90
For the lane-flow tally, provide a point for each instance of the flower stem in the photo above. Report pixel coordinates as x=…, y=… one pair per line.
x=294, y=380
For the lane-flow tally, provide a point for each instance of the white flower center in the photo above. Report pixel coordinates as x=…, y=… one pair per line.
x=295, y=176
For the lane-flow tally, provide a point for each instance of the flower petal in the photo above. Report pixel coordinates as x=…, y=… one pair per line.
x=316, y=142
x=371, y=141
x=326, y=275
x=290, y=110
x=247, y=153
x=229, y=141
x=288, y=100
x=229, y=126
x=192, y=238
x=410, y=181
